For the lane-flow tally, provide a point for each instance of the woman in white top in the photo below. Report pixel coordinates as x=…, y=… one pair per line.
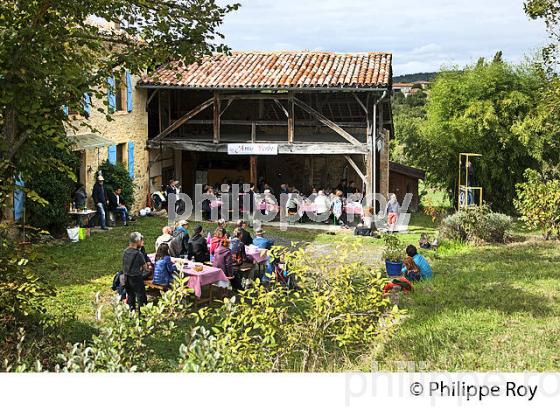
x=322, y=206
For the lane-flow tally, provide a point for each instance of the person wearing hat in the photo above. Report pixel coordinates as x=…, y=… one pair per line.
x=100, y=200
x=198, y=247
x=134, y=266
x=260, y=241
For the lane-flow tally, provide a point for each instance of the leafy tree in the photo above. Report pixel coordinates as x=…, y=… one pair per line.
x=53, y=53
x=116, y=175
x=539, y=203
x=479, y=109
x=56, y=187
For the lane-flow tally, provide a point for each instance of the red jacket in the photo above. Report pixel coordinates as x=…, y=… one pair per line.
x=214, y=242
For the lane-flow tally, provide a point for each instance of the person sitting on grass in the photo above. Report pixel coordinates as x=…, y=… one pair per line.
x=164, y=267
x=198, y=248
x=260, y=241
x=421, y=262
x=412, y=270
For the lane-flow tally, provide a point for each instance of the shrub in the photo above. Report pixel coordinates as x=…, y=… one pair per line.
x=57, y=189
x=116, y=175
x=393, y=248
x=538, y=202
x=476, y=225
x=339, y=311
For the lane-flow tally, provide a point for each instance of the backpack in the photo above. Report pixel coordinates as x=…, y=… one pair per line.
x=401, y=283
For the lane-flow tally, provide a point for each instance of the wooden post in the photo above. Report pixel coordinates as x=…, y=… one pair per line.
x=369, y=158
x=253, y=169
x=216, y=122
x=291, y=121
x=253, y=132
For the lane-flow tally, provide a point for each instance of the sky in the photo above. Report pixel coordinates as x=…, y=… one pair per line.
x=423, y=35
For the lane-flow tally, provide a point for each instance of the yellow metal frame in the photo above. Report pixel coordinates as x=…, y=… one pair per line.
x=465, y=187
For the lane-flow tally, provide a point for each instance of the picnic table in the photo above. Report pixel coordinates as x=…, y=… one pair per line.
x=208, y=276
x=82, y=215
x=354, y=208
x=256, y=255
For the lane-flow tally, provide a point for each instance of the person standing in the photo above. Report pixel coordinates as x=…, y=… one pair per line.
x=99, y=196
x=392, y=213
x=133, y=268
x=80, y=198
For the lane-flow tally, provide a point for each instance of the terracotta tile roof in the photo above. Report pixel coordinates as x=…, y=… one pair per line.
x=261, y=70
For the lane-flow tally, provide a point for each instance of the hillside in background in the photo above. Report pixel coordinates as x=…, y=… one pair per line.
x=410, y=78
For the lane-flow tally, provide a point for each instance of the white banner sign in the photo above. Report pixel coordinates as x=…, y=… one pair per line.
x=252, y=149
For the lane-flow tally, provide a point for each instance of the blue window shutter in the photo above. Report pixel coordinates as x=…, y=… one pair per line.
x=128, y=91
x=19, y=200
x=111, y=98
x=113, y=154
x=87, y=104
x=65, y=109
x=131, y=159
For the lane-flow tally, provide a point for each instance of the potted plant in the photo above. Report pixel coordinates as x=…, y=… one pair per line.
x=392, y=255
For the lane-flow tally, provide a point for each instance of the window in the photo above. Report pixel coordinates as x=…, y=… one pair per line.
x=120, y=95
x=121, y=153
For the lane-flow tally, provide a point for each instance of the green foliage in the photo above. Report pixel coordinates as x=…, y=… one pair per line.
x=52, y=53
x=121, y=345
x=476, y=225
x=478, y=109
x=57, y=188
x=539, y=203
x=393, y=251
x=23, y=292
x=339, y=309
x=117, y=176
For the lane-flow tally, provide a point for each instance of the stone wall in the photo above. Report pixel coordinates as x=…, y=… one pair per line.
x=124, y=128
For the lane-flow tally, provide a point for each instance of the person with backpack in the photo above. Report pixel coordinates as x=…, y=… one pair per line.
x=134, y=267
x=165, y=237
x=164, y=268
x=423, y=266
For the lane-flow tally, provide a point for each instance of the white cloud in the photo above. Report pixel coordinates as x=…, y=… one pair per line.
x=423, y=35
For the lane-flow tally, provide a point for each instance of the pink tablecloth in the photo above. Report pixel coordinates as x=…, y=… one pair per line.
x=216, y=204
x=307, y=208
x=256, y=255
x=355, y=209
x=197, y=280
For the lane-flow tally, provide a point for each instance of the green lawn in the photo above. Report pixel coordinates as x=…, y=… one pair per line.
x=487, y=308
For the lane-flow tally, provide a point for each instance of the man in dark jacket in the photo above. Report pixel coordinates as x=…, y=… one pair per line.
x=116, y=204
x=99, y=196
x=198, y=247
x=134, y=267
x=245, y=237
